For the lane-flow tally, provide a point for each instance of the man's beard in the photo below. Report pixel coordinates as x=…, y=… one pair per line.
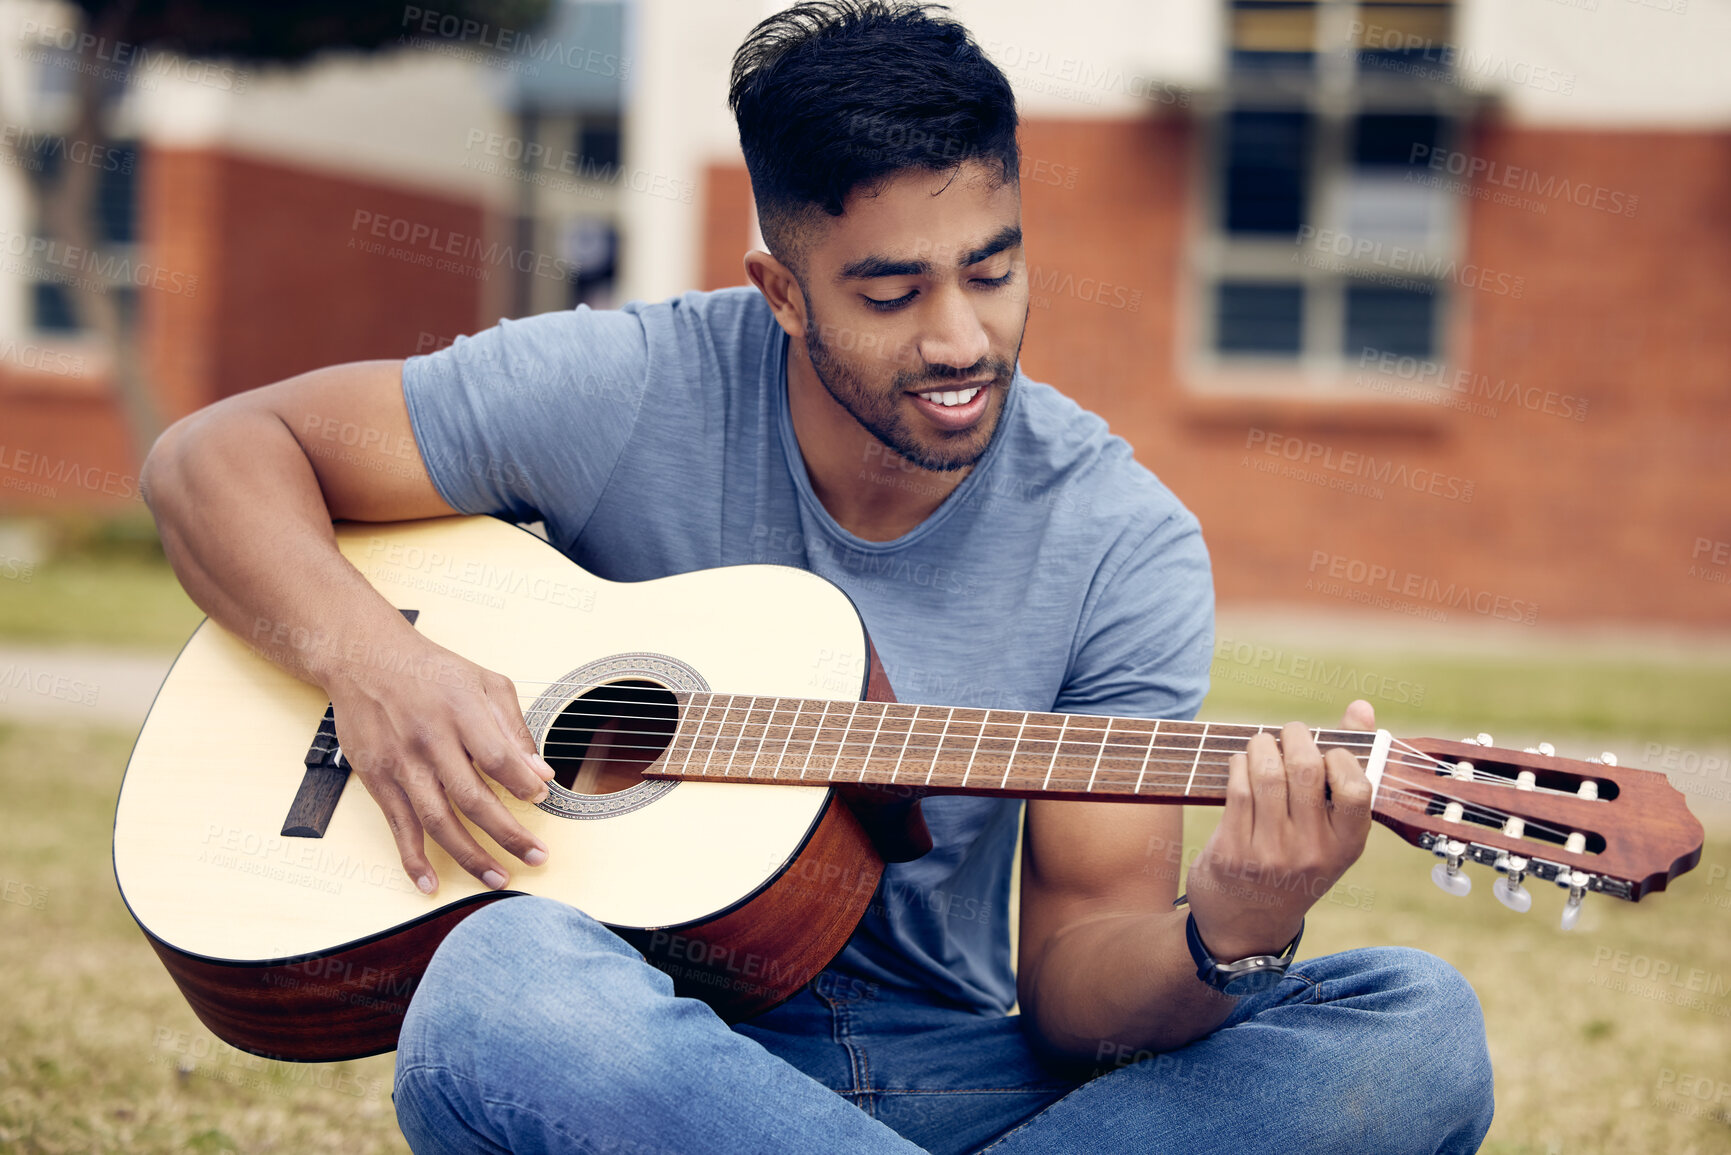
x=880, y=413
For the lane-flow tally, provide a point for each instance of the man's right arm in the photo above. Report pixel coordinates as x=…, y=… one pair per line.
x=244, y=493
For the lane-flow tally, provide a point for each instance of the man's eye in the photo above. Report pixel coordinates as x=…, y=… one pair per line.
x=995, y=282
x=887, y=306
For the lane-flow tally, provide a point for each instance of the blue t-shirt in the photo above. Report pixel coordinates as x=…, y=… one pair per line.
x=1060, y=574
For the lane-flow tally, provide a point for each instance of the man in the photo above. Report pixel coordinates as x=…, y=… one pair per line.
x=858, y=412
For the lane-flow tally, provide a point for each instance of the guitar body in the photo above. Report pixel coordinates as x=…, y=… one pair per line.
x=309, y=947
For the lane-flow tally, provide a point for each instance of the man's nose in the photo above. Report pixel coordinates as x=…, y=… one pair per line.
x=954, y=336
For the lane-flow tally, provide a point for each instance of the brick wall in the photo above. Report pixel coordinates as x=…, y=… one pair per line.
x=270, y=279
x=1598, y=519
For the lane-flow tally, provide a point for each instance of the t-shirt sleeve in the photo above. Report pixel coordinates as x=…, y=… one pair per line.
x=1147, y=634
x=528, y=419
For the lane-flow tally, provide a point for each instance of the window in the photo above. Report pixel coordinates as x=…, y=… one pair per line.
x=1319, y=242
x=116, y=211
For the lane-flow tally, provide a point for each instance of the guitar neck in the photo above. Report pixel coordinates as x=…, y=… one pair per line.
x=957, y=750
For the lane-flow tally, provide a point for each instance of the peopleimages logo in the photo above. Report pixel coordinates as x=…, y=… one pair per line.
x=1372, y=583
x=441, y=249
x=1352, y=253
x=1480, y=170
x=433, y=26
x=1313, y=456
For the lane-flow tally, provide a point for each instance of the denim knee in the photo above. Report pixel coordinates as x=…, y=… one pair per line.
x=516, y=976
x=1438, y=1046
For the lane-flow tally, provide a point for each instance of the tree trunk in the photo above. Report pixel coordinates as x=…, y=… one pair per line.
x=69, y=217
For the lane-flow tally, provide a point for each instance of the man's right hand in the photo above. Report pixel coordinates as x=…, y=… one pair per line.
x=245, y=492
x=424, y=738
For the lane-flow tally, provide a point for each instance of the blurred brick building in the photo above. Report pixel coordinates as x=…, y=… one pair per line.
x=1416, y=305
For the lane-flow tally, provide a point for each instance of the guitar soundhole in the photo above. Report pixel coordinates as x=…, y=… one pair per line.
x=601, y=742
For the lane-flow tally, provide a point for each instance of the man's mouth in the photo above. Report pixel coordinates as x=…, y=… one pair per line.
x=954, y=409
x=950, y=396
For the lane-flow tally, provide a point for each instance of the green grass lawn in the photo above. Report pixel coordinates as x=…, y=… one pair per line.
x=1575, y=697
x=130, y=602
x=99, y=1053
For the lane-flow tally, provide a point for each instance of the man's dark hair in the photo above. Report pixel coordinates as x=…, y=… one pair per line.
x=831, y=95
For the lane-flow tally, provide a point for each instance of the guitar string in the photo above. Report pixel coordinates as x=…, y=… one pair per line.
x=1134, y=753
x=1419, y=798
x=1350, y=739
x=1416, y=799
x=1131, y=751
x=1356, y=740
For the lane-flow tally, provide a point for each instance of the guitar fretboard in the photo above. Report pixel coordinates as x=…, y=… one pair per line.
x=744, y=738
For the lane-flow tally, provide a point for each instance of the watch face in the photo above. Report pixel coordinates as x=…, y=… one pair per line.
x=1257, y=980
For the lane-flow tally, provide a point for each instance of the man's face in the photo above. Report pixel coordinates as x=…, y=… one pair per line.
x=916, y=298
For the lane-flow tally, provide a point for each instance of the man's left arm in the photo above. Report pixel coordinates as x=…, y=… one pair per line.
x=1104, y=970
x=1103, y=967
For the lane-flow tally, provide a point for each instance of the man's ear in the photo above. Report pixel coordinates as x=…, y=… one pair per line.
x=777, y=284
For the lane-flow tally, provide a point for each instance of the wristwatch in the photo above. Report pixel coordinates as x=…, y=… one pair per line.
x=1247, y=975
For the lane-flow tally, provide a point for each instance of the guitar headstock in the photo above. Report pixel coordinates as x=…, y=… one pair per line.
x=1583, y=825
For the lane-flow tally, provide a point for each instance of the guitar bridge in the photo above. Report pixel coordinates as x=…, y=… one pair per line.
x=326, y=775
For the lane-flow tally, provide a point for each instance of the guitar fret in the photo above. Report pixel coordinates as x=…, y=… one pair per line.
x=691, y=742
x=1015, y=748
x=841, y=743
x=1104, y=734
x=873, y=744
x=1153, y=744
x=812, y=747
x=787, y=739
x=1058, y=746
x=716, y=740
x=722, y=734
x=975, y=753
x=907, y=740
x=938, y=747
x=751, y=771
x=1197, y=761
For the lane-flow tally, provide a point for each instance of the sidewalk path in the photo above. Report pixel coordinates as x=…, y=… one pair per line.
x=96, y=685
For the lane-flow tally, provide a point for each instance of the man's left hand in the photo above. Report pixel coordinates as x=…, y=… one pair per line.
x=1295, y=819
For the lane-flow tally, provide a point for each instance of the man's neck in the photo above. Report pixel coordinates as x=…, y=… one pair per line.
x=872, y=492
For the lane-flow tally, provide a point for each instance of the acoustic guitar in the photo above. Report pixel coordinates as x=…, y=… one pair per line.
x=732, y=773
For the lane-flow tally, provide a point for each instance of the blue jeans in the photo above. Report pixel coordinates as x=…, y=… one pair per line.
x=536, y=1029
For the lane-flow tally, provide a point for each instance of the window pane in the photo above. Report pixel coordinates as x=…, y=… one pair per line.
x=1259, y=318
x=117, y=197
x=51, y=309
x=1399, y=321
x=1273, y=33
x=1386, y=141
x=1413, y=30
x=1267, y=164
x=598, y=146
x=1383, y=194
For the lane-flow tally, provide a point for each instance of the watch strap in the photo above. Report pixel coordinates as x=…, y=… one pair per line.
x=1220, y=975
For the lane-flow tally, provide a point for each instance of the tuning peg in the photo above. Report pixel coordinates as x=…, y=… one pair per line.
x=1508, y=889
x=1469, y=741
x=1576, y=881
x=1486, y=740
x=1447, y=874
